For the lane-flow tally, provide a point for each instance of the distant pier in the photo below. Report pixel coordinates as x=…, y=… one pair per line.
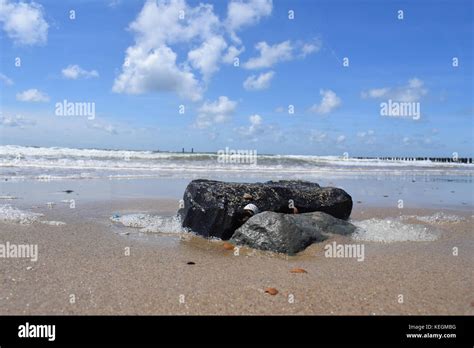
x=432, y=159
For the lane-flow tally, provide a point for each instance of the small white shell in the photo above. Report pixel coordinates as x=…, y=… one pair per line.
x=252, y=207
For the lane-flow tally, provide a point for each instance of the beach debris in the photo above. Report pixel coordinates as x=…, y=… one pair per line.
x=298, y=270
x=248, y=196
x=289, y=233
x=228, y=246
x=50, y=205
x=217, y=209
x=252, y=208
x=271, y=291
x=190, y=263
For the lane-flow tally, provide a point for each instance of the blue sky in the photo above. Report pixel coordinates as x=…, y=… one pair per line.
x=138, y=61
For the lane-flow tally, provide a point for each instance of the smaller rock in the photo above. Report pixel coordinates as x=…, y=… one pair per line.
x=289, y=233
x=271, y=291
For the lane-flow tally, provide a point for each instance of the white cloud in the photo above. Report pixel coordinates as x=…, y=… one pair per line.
x=310, y=47
x=375, y=93
x=207, y=56
x=156, y=71
x=163, y=28
x=317, y=137
x=329, y=102
x=413, y=91
x=340, y=139
x=6, y=80
x=254, y=129
x=367, y=137
x=151, y=64
x=262, y=81
x=243, y=13
x=270, y=55
x=15, y=121
x=255, y=122
x=23, y=22
x=232, y=53
x=364, y=134
x=114, y=3
x=74, y=72
x=32, y=95
x=108, y=128
x=219, y=111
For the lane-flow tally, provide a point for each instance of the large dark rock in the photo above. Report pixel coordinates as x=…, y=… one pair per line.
x=215, y=208
x=289, y=234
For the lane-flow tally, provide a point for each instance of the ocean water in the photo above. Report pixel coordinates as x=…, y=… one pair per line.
x=45, y=164
x=36, y=174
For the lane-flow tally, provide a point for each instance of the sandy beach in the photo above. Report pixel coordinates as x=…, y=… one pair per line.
x=83, y=267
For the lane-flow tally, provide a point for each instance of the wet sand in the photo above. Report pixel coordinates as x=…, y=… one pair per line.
x=87, y=258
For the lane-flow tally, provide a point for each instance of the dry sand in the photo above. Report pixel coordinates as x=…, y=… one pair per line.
x=86, y=258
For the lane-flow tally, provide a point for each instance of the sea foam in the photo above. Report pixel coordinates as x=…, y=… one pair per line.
x=14, y=215
x=387, y=231
x=151, y=223
x=436, y=218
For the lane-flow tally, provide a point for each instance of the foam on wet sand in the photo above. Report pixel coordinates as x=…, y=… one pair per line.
x=389, y=230
x=10, y=214
x=149, y=223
